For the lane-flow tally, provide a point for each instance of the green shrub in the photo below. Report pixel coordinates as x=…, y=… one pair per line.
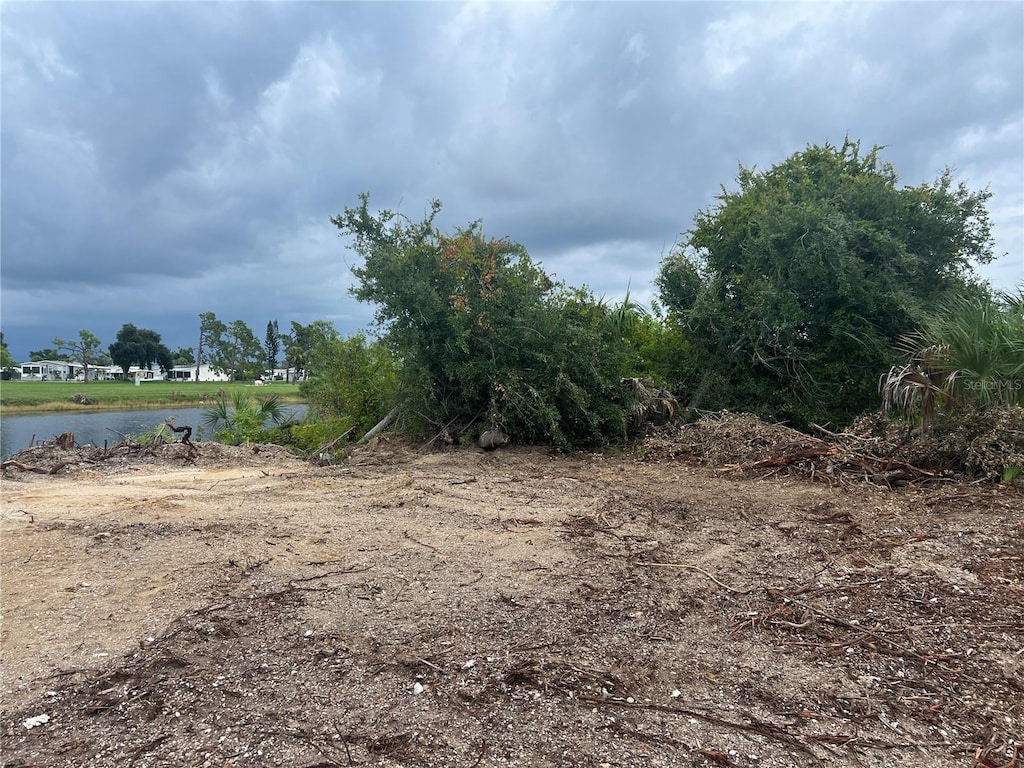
x=484, y=337
x=243, y=418
x=355, y=383
x=310, y=437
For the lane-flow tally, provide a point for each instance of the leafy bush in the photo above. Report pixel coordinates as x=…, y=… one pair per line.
x=312, y=436
x=354, y=382
x=484, y=337
x=794, y=290
x=243, y=418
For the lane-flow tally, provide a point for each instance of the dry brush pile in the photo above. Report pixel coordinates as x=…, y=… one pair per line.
x=970, y=445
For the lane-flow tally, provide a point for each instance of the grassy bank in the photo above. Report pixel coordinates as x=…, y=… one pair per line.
x=32, y=396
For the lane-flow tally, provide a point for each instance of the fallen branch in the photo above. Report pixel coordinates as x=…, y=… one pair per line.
x=787, y=459
x=38, y=470
x=186, y=429
x=897, y=647
x=380, y=426
x=330, y=443
x=292, y=582
x=417, y=541
x=193, y=451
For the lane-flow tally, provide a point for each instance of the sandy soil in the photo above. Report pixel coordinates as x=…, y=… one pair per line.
x=515, y=608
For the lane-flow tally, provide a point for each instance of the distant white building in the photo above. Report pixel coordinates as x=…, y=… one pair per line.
x=285, y=374
x=63, y=370
x=58, y=370
x=135, y=373
x=188, y=373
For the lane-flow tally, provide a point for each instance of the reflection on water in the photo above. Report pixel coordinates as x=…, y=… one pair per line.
x=17, y=432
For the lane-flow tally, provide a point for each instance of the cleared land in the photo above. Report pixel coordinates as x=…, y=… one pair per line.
x=458, y=608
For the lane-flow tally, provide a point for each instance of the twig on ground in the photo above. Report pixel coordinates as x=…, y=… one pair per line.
x=877, y=635
x=651, y=564
x=329, y=573
x=479, y=757
x=770, y=730
x=38, y=470
x=417, y=541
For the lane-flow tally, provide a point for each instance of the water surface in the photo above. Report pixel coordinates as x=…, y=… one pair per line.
x=17, y=432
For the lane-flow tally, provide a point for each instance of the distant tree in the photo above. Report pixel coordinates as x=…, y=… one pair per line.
x=210, y=332
x=300, y=343
x=141, y=347
x=791, y=293
x=6, y=360
x=84, y=349
x=184, y=356
x=237, y=352
x=272, y=345
x=47, y=354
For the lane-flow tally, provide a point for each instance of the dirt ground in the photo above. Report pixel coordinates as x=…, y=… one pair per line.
x=460, y=608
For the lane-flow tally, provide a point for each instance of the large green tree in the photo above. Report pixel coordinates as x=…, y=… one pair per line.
x=6, y=360
x=299, y=345
x=272, y=346
x=47, y=354
x=141, y=347
x=237, y=352
x=184, y=356
x=211, y=332
x=483, y=336
x=85, y=349
x=792, y=291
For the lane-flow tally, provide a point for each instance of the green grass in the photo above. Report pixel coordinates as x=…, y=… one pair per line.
x=22, y=396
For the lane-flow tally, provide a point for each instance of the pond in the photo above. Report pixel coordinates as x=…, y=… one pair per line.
x=17, y=432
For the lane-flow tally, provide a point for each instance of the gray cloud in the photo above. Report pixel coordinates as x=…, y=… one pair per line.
x=165, y=159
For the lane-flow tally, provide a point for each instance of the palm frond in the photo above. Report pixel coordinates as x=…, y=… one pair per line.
x=906, y=389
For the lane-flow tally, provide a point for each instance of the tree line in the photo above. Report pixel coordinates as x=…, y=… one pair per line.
x=229, y=348
x=810, y=292
x=797, y=296
x=234, y=349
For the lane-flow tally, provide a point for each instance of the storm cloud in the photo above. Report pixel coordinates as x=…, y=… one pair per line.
x=165, y=159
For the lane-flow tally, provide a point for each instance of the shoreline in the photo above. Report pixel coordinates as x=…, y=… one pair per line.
x=60, y=406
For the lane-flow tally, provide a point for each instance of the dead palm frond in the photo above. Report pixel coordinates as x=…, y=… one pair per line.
x=647, y=403
x=909, y=389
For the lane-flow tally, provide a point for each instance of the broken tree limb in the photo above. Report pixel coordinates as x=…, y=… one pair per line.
x=789, y=458
x=38, y=470
x=330, y=443
x=193, y=452
x=186, y=429
x=381, y=425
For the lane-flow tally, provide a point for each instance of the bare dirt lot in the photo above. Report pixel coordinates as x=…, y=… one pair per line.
x=457, y=608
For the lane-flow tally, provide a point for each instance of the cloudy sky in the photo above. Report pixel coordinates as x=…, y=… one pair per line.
x=163, y=159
